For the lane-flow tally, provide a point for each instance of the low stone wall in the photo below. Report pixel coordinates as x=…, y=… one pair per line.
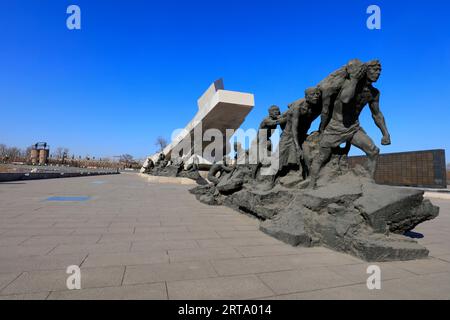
x=425, y=168
x=49, y=175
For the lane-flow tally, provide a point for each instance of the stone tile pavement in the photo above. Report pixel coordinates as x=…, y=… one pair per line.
x=137, y=240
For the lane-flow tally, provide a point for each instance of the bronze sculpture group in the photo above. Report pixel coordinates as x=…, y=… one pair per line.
x=338, y=100
x=311, y=196
x=174, y=167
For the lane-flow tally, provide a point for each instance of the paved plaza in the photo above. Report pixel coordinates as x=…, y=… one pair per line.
x=137, y=240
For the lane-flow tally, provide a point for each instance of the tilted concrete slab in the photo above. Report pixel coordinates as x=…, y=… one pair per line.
x=218, y=109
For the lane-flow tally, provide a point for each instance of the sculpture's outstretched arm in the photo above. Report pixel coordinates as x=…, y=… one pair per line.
x=282, y=119
x=227, y=169
x=379, y=118
x=268, y=122
x=295, y=122
x=325, y=115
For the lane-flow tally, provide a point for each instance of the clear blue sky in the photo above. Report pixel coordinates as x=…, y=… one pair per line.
x=136, y=68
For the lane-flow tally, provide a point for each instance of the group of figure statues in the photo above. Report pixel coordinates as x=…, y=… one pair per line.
x=174, y=168
x=338, y=100
x=304, y=191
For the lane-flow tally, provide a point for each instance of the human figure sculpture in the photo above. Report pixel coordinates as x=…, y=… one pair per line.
x=330, y=87
x=193, y=166
x=266, y=128
x=299, y=118
x=241, y=155
x=344, y=214
x=220, y=168
x=177, y=161
x=356, y=92
x=161, y=162
x=150, y=165
x=269, y=125
x=271, y=122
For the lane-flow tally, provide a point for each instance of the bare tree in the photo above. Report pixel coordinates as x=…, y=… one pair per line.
x=3, y=149
x=126, y=158
x=13, y=153
x=61, y=152
x=27, y=153
x=161, y=142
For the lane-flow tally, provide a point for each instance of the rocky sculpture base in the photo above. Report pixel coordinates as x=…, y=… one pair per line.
x=177, y=171
x=348, y=212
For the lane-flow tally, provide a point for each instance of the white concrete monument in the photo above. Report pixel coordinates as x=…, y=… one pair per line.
x=217, y=109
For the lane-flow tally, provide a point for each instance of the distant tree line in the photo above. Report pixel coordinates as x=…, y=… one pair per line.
x=11, y=154
x=61, y=156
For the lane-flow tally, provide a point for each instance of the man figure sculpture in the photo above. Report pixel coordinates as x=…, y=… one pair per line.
x=220, y=168
x=356, y=92
x=193, y=166
x=298, y=118
x=161, y=162
x=260, y=152
x=269, y=124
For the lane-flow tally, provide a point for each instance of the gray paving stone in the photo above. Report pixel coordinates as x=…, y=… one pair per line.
x=214, y=252
x=247, y=227
x=163, y=245
x=202, y=254
x=12, y=240
x=168, y=272
x=358, y=272
x=240, y=234
x=283, y=282
x=155, y=291
x=233, y=242
x=445, y=257
x=205, y=227
x=150, y=230
x=28, y=296
x=267, y=250
x=92, y=248
x=9, y=252
x=254, y=265
x=353, y=292
x=194, y=235
x=147, y=224
x=55, y=280
x=38, y=232
x=241, y=287
x=423, y=266
x=125, y=258
x=49, y=262
x=6, y=278
x=241, y=266
x=439, y=249
x=430, y=287
x=100, y=231
x=112, y=238
x=54, y=240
